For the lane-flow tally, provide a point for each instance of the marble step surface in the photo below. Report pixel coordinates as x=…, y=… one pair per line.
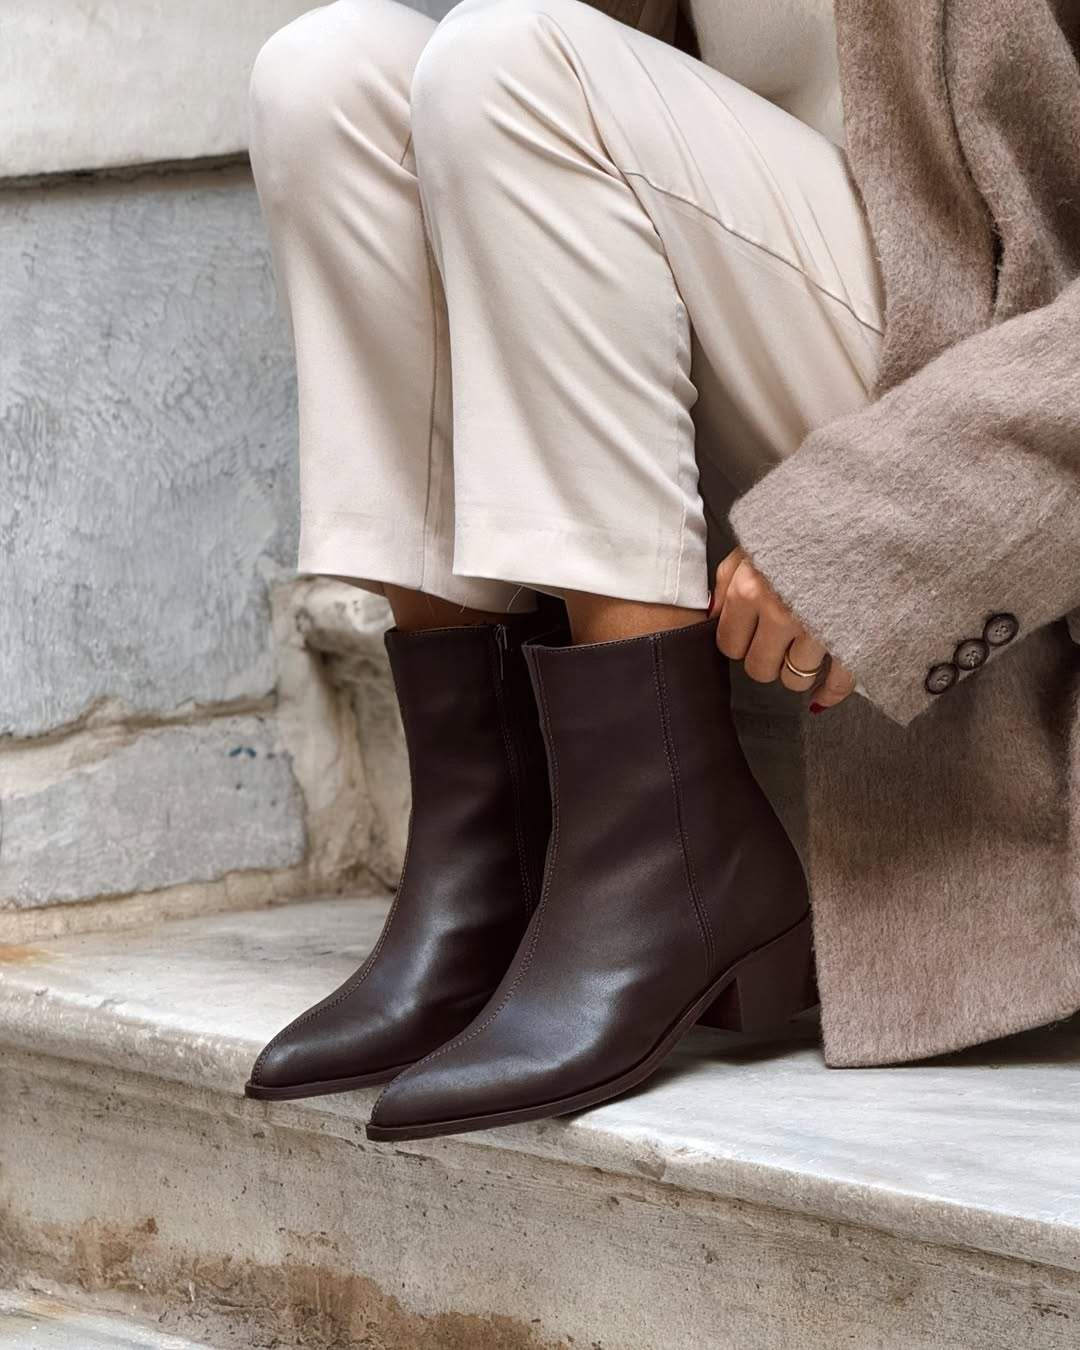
x=33, y=1322
x=747, y=1197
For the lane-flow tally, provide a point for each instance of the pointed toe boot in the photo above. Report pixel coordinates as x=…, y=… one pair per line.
x=671, y=895
x=479, y=828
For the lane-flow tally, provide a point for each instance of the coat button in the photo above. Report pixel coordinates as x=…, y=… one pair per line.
x=941, y=677
x=1001, y=628
x=970, y=655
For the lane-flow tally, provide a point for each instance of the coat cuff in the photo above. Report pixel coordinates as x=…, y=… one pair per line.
x=806, y=555
x=919, y=537
x=908, y=612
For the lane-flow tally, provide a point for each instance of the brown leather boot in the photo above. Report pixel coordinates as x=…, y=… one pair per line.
x=480, y=822
x=671, y=890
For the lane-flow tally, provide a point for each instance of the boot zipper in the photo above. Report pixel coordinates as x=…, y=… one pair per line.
x=513, y=763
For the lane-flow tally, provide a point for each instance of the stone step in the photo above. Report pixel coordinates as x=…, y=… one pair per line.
x=749, y=1197
x=33, y=1322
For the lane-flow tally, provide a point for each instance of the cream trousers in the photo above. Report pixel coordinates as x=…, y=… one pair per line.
x=559, y=292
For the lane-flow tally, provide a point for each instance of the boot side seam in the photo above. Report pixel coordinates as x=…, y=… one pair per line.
x=515, y=781
x=534, y=927
x=680, y=821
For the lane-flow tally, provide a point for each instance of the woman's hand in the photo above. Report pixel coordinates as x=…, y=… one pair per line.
x=758, y=629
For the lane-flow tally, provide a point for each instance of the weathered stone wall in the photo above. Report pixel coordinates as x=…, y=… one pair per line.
x=169, y=740
x=162, y=723
x=91, y=84
x=147, y=403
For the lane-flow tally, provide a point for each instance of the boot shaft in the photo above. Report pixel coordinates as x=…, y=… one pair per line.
x=647, y=767
x=477, y=765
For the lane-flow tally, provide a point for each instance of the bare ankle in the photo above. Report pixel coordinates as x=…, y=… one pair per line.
x=415, y=611
x=600, y=618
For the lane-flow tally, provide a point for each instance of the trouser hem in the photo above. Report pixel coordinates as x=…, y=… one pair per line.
x=375, y=554
x=562, y=559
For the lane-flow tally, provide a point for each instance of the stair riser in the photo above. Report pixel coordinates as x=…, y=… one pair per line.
x=282, y=1219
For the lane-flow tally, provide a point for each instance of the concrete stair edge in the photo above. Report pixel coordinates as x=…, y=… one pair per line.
x=51, y=1322
x=86, y=1025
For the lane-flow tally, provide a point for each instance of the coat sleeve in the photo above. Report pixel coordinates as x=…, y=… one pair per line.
x=898, y=533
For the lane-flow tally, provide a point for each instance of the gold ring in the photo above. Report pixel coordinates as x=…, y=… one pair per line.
x=802, y=674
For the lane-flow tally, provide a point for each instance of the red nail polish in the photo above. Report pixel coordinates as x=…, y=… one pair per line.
x=817, y=707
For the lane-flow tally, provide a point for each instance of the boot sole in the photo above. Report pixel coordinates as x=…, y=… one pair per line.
x=763, y=989
x=325, y=1088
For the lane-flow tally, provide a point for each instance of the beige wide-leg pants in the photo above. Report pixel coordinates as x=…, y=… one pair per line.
x=558, y=292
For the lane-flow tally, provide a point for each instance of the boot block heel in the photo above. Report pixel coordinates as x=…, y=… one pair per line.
x=770, y=986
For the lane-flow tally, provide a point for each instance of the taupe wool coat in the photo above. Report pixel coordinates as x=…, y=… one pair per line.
x=943, y=828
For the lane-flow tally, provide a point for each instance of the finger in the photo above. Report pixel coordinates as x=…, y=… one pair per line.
x=805, y=653
x=771, y=639
x=775, y=632
x=724, y=572
x=735, y=631
x=747, y=594
x=837, y=685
